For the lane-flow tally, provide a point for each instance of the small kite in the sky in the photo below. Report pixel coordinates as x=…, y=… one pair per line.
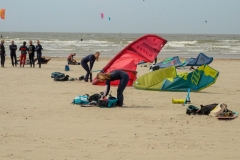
x=109, y=19
x=205, y=21
x=2, y=13
x=102, y=15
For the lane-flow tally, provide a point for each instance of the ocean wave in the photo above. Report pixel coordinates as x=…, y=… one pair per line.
x=180, y=43
x=109, y=44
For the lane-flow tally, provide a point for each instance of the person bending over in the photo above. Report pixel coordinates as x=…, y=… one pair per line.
x=31, y=50
x=112, y=76
x=70, y=59
x=91, y=59
x=23, y=50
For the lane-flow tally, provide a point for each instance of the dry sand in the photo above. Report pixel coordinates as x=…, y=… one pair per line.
x=38, y=121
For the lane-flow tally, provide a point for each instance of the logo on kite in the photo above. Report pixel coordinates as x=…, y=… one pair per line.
x=2, y=13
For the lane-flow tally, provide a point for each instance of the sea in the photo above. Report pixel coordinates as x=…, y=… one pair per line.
x=109, y=44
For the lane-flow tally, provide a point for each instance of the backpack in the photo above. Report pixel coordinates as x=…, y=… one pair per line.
x=192, y=110
x=112, y=102
x=94, y=97
x=57, y=75
x=67, y=68
x=65, y=78
x=81, y=100
x=81, y=78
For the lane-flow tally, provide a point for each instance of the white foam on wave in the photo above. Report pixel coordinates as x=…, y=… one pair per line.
x=196, y=50
x=229, y=40
x=54, y=49
x=180, y=43
x=233, y=52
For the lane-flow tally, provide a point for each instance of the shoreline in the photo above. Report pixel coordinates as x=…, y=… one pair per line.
x=108, y=58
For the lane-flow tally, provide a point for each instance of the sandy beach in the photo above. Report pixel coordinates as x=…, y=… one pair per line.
x=38, y=121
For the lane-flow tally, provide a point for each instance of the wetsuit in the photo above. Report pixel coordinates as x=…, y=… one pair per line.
x=123, y=77
x=155, y=60
x=39, y=49
x=91, y=59
x=2, y=53
x=31, y=50
x=23, y=50
x=13, y=49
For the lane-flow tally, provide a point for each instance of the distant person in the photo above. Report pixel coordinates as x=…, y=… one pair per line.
x=81, y=39
x=70, y=59
x=13, y=55
x=91, y=59
x=31, y=50
x=2, y=53
x=112, y=76
x=1, y=36
x=39, y=49
x=23, y=55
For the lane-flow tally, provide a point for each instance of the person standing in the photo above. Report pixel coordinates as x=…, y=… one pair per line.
x=31, y=50
x=112, y=76
x=39, y=49
x=13, y=49
x=23, y=55
x=91, y=59
x=2, y=53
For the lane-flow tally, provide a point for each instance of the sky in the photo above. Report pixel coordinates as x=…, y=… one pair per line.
x=127, y=16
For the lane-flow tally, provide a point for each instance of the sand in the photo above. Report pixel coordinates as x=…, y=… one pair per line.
x=38, y=121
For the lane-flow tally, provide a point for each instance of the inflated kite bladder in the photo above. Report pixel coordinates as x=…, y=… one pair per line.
x=182, y=101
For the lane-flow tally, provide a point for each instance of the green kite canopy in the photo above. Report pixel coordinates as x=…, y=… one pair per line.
x=167, y=79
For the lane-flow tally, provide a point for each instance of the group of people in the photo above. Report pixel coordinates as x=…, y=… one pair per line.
x=107, y=77
x=24, y=50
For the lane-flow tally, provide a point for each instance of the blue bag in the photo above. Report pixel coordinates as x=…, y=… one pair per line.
x=81, y=100
x=107, y=103
x=57, y=75
x=67, y=68
x=112, y=102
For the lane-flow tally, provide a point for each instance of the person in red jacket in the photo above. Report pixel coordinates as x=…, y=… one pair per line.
x=23, y=50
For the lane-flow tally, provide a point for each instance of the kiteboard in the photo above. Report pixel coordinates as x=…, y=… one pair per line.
x=44, y=60
x=221, y=117
x=88, y=105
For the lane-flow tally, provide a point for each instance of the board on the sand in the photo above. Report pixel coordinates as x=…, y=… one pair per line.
x=88, y=105
x=235, y=115
x=43, y=60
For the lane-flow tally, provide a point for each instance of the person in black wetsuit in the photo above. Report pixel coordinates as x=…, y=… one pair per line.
x=31, y=50
x=2, y=53
x=91, y=59
x=13, y=49
x=112, y=76
x=39, y=49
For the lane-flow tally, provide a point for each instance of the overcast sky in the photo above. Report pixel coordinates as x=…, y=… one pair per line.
x=127, y=16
